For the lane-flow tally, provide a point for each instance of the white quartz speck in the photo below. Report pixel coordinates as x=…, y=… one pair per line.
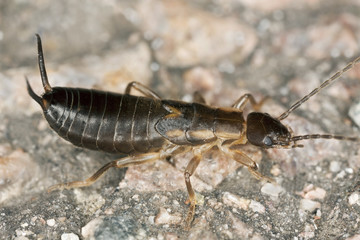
x=335, y=166
x=69, y=236
x=256, y=206
x=309, y=205
x=354, y=198
x=50, y=222
x=235, y=201
x=272, y=190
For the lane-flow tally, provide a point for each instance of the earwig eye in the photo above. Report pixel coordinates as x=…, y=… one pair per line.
x=267, y=141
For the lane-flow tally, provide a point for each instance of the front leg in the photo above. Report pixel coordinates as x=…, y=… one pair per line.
x=244, y=159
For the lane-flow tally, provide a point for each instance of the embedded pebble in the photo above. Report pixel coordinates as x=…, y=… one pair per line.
x=275, y=170
x=24, y=225
x=21, y=234
x=340, y=175
x=354, y=199
x=317, y=193
x=235, y=201
x=311, y=192
x=164, y=217
x=272, y=190
x=151, y=219
x=50, y=222
x=89, y=229
x=69, y=236
x=213, y=204
x=335, y=166
x=200, y=199
x=257, y=207
x=318, y=213
x=136, y=197
x=309, y=205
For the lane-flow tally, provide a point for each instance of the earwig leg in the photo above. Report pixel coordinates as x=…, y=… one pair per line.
x=189, y=171
x=143, y=89
x=86, y=182
x=121, y=163
x=242, y=101
x=198, y=98
x=250, y=164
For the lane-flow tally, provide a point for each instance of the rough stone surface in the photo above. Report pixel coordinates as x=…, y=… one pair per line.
x=223, y=49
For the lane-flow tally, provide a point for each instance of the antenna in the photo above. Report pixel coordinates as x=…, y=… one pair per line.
x=324, y=136
x=316, y=90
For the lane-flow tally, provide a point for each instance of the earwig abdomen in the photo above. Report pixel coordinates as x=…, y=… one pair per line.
x=105, y=121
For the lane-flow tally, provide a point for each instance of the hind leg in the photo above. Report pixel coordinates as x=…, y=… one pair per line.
x=198, y=98
x=120, y=163
x=141, y=88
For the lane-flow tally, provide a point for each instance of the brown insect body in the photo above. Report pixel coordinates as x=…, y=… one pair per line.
x=149, y=128
x=123, y=123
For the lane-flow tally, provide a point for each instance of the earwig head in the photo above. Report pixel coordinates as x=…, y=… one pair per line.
x=266, y=131
x=45, y=99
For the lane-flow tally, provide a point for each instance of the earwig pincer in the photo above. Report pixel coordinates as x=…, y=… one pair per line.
x=148, y=128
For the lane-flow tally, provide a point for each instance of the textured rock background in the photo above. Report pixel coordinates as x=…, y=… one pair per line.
x=223, y=49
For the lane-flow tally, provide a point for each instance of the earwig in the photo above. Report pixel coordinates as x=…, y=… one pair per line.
x=148, y=128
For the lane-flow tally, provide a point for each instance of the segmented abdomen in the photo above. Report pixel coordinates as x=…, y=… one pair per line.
x=104, y=121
